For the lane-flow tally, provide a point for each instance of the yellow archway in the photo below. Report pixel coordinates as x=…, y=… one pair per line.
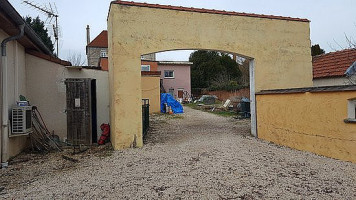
x=279, y=48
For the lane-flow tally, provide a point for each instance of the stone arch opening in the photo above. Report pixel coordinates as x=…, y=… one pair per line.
x=279, y=46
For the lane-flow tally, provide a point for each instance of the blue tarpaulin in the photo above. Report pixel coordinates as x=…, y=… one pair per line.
x=168, y=99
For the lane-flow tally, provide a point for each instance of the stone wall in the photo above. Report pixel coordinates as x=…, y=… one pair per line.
x=223, y=95
x=93, y=55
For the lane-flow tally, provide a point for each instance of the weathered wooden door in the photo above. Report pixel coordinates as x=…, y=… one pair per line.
x=79, y=111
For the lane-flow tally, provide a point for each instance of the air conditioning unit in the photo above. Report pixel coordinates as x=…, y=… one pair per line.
x=21, y=120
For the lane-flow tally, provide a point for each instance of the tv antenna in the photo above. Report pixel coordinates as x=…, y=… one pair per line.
x=51, y=14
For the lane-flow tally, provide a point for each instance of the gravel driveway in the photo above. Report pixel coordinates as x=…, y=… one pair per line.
x=196, y=155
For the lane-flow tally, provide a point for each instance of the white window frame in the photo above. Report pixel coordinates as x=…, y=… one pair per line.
x=149, y=68
x=168, y=76
x=103, y=53
x=351, y=109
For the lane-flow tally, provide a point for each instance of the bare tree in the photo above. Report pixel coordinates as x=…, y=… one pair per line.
x=76, y=59
x=350, y=74
x=221, y=80
x=350, y=40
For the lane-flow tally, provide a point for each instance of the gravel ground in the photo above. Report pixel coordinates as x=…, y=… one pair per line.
x=196, y=155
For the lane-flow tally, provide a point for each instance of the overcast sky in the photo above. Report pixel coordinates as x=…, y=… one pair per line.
x=330, y=19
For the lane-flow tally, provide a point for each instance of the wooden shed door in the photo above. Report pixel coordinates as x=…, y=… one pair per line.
x=80, y=111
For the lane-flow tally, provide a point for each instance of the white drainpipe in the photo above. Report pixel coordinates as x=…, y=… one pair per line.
x=4, y=108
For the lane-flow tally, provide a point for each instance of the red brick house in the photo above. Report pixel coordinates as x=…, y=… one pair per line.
x=98, y=49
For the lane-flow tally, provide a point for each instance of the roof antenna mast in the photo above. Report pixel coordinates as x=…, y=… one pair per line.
x=50, y=15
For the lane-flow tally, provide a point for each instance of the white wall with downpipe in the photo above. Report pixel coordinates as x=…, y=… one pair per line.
x=13, y=79
x=46, y=90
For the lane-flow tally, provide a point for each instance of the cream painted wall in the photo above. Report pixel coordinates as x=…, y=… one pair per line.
x=151, y=90
x=309, y=121
x=102, y=92
x=281, y=50
x=46, y=90
x=16, y=85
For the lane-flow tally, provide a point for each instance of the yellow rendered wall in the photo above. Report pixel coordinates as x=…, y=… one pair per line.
x=309, y=121
x=151, y=90
x=281, y=50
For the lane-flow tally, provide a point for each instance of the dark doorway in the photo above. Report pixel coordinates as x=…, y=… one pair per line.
x=93, y=112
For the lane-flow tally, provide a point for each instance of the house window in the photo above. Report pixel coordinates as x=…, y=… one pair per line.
x=145, y=68
x=168, y=74
x=103, y=53
x=351, y=111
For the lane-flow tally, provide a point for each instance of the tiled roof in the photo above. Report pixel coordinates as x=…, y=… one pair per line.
x=100, y=41
x=333, y=64
x=211, y=11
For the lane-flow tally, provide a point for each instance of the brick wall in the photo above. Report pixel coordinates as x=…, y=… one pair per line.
x=224, y=95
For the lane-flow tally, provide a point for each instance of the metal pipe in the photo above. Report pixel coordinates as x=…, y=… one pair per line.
x=10, y=11
x=5, y=111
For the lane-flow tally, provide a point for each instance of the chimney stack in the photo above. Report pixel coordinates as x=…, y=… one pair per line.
x=88, y=34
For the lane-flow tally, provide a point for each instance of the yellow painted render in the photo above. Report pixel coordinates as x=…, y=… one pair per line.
x=309, y=121
x=151, y=90
x=281, y=50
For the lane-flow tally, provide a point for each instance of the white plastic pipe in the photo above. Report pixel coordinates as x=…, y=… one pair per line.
x=4, y=107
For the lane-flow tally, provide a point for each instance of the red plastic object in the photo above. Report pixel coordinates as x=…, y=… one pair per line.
x=105, y=128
